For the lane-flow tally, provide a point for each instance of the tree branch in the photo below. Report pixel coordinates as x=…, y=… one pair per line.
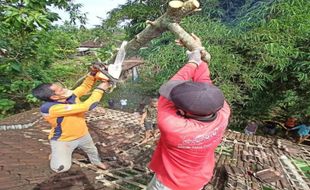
x=167, y=22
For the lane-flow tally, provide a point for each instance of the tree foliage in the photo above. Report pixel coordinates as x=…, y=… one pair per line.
x=260, y=53
x=133, y=14
x=29, y=44
x=276, y=43
x=260, y=50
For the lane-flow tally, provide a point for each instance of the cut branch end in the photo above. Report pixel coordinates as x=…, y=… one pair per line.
x=196, y=3
x=150, y=22
x=191, y=4
x=176, y=4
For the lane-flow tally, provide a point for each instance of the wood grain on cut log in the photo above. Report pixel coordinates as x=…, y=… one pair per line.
x=176, y=4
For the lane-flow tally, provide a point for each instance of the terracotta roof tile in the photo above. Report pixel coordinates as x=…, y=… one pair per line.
x=24, y=158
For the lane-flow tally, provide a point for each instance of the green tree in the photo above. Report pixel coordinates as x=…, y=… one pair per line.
x=24, y=44
x=260, y=54
x=276, y=45
x=133, y=14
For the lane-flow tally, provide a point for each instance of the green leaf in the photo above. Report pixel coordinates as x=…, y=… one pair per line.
x=16, y=66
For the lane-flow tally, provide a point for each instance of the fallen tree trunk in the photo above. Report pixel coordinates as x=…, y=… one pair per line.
x=169, y=21
x=131, y=62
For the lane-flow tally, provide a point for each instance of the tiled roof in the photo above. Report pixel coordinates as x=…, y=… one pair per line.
x=240, y=156
x=243, y=162
x=20, y=121
x=91, y=44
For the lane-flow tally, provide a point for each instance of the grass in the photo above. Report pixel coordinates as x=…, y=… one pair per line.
x=304, y=166
x=224, y=150
x=267, y=188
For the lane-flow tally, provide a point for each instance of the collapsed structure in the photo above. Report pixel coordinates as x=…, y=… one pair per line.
x=243, y=162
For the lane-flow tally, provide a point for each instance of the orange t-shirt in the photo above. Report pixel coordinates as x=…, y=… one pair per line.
x=291, y=122
x=67, y=119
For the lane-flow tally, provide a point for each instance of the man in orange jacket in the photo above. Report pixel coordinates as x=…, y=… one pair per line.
x=192, y=118
x=66, y=114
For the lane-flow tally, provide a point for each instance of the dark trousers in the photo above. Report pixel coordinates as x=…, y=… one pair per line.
x=150, y=126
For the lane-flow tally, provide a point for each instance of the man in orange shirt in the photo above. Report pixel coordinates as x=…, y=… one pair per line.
x=66, y=114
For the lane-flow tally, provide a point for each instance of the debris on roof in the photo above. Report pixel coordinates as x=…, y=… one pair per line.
x=243, y=161
x=91, y=44
x=20, y=121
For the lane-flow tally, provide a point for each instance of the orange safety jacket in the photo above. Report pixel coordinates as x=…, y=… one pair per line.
x=67, y=118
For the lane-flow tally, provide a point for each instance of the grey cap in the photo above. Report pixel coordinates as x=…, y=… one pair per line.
x=166, y=88
x=194, y=97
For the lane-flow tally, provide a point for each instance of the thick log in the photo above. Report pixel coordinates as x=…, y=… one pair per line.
x=187, y=40
x=131, y=62
x=167, y=22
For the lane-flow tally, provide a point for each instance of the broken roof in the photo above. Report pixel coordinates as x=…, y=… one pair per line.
x=91, y=44
x=243, y=162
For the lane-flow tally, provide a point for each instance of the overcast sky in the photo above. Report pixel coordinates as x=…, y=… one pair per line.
x=94, y=9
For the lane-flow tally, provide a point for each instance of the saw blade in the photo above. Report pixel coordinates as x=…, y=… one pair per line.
x=115, y=69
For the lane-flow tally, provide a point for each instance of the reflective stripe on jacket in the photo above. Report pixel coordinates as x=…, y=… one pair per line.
x=67, y=119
